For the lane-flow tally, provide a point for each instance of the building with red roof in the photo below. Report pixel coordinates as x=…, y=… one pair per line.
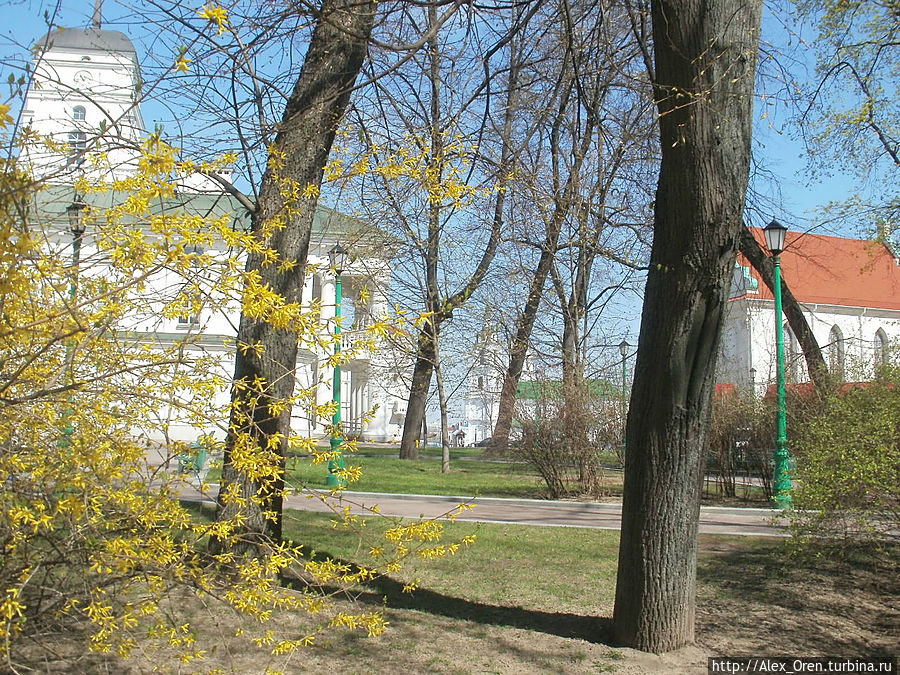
x=850, y=293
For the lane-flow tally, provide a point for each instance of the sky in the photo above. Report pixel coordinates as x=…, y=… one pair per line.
x=794, y=200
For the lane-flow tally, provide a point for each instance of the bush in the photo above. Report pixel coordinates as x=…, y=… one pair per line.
x=848, y=466
x=566, y=433
x=740, y=441
x=96, y=550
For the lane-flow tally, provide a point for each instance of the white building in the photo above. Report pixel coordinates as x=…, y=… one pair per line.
x=84, y=97
x=484, y=383
x=850, y=293
x=482, y=398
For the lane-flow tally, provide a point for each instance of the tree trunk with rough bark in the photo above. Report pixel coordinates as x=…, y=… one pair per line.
x=302, y=145
x=705, y=57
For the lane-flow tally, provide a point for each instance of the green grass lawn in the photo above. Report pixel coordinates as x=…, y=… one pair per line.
x=467, y=477
x=425, y=451
x=472, y=474
x=540, y=567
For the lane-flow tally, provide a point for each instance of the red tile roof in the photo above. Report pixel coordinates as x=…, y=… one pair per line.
x=835, y=271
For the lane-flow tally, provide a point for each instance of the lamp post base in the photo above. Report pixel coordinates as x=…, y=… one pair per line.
x=781, y=478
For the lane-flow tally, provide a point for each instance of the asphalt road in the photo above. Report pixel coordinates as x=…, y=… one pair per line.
x=713, y=519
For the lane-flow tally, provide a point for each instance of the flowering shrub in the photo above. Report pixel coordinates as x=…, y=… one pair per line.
x=93, y=535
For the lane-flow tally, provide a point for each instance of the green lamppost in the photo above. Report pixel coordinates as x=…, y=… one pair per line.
x=337, y=257
x=623, y=350
x=775, y=235
x=75, y=213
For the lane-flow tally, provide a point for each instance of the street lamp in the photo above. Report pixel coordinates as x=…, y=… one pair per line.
x=75, y=214
x=775, y=234
x=623, y=350
x=337, y=257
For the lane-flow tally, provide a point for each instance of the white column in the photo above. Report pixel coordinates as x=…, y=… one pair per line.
x=324, y=393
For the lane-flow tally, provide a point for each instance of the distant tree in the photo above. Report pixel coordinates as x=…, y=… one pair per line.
x=596, y=128
x=703, y=77
x=439, y=149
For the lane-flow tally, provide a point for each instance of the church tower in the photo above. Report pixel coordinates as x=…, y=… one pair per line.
x=84, y=95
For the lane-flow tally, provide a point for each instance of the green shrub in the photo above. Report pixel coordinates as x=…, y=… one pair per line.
x=848, y=466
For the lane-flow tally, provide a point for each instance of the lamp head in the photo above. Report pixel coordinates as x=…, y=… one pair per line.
x=337, y=257
x=775, y=235
x=623, y=348
x=75, y=212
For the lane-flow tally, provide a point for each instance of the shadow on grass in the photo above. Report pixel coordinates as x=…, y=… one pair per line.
x=777, y=602
x=387, y=591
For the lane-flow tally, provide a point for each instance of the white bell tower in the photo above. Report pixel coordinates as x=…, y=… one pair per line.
x=84, y=96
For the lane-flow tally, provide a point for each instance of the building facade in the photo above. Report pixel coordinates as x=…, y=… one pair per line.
x=85, y=99
x=849, y=290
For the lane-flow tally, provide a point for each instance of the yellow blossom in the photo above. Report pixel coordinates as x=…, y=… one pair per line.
x=215, y=14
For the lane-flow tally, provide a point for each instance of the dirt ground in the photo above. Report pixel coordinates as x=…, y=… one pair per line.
x=750, y=603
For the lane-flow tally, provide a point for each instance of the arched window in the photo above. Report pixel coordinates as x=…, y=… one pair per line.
x=881, y=348
x=792, y=355
x=78, y=113
x=836, y=352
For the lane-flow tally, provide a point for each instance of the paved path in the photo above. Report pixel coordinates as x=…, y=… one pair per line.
x=713, y=519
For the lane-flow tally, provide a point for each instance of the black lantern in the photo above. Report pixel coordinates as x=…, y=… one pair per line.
x=775, y=234
x=75, y=211
x=337, y=256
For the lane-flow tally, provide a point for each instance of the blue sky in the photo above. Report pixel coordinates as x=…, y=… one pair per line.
x=794, y=199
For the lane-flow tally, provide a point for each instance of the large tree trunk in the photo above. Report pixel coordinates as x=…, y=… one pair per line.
x=815, y=362
x=302, y=145
x=705, y=64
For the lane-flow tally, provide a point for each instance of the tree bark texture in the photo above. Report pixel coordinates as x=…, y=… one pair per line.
x=815, y=362
x=303, y=142
x=705, y=57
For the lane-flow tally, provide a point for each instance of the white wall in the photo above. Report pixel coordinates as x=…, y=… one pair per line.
x=748, y=341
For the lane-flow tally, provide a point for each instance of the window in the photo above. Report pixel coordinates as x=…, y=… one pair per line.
x=836, y=352
x=792, y=355
x=881, y=348
x=77, y=146
x=188, y=320
x=78, y=113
